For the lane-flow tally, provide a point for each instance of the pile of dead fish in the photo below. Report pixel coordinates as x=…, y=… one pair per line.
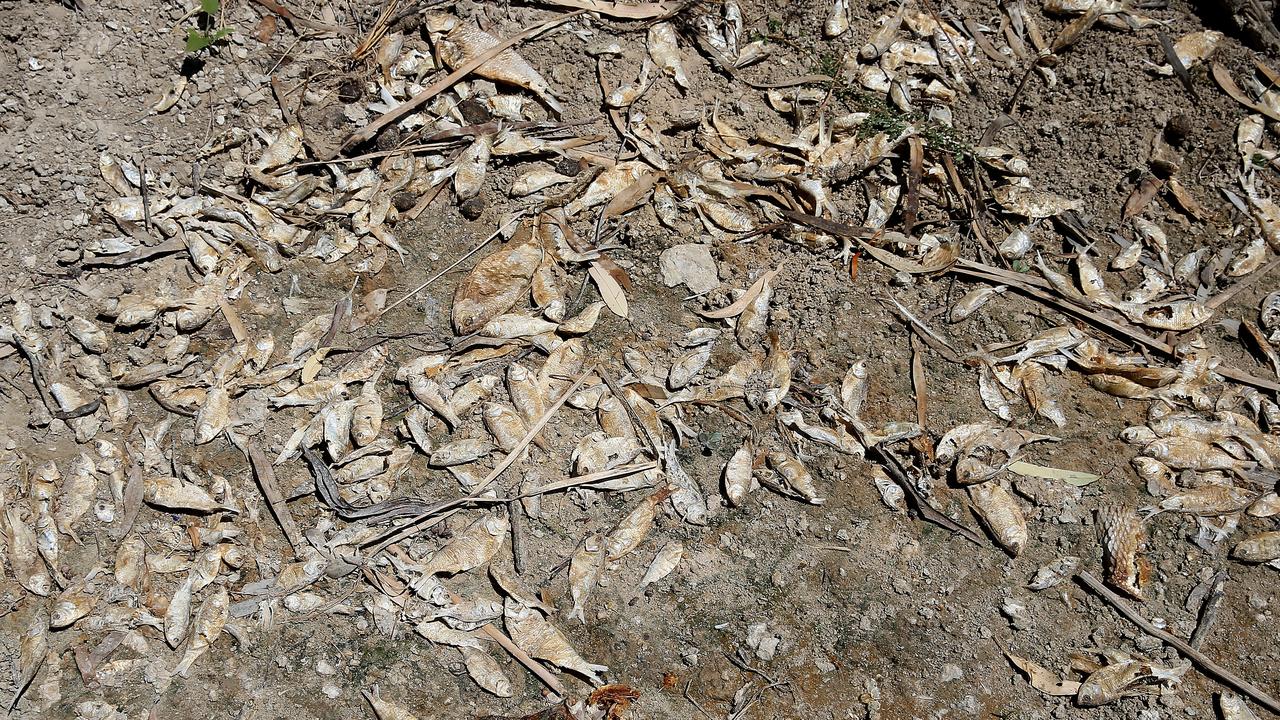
x=185, y=561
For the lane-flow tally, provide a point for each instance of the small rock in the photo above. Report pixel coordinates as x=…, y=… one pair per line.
x=691, y=265
x=763, y=641
x=951, y=671
x=331, y=691
x=324, y=667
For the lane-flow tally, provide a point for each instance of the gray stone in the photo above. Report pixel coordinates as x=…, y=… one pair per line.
x=691, y=265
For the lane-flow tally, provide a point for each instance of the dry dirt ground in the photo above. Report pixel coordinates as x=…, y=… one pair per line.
x=874, y=612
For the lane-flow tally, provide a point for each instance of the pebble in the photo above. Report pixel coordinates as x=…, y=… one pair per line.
x=951, y=671
x=330, y=690
x=690, y=265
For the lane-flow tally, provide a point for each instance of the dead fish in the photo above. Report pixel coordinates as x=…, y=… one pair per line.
x=606, y=185
x=485, y=671
x=1249, y=258
x=584, y=572
x=495, y=284
x=91, y=337
x=738, y=477
x=1127, y=677
x=469, y=170
x=33, y=650
x=613, y=417
x=474, y=391
x=72, y=605
x=1031, y=203
x=308, y=394
x=432, y=395
x=1001, y=515
x=635, y=526
x=536, y=180
x=1045, y=343
x=579, y=324
x=206, y=627
x=366, y=414
x=883, y=36
x=666, y=53
x=523, y=388
x=973, y=300
x=511, y=587
x=753, y=321
x=663, y=563
x=385, y=709
x=76, y=496
x=533, y=634
x=796, y=478
x=1207, y=500
x=171, y=493
x=1192, y=49
x=1054, y=573
x=837, y=22
x=513, y=325
x=130, y=566
x=1233, y=707
x=1267, y=505
x=457, y=42
x=504, y=425
x=687, y=366
x=473, y=546
x=178, y=615
x=25, y=556
x=891, y=494
x=1122, y=536
x=1184, y=453
x=686, y=497
x=1262, y=547
x=214, y=415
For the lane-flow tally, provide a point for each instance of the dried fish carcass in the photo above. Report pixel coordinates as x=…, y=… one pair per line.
x=635, y=526
x=472, y=547
x=795, y=477
x=1192, y=49
x=504, y=425
x=1233, y=707
x=739, y=480
x=1208, y=500
x=686, y=496
x=496, y=283
x=606, y=185
x=366, y=414
x=1262, y=547
x=1001, y=515
x=1122, y=536
x=973, y=300
x=837, y=22
x=432, y=395
x=1054, y=573
x=1126, y=677
x=73, y=604
x=533, y=634
x=666, y=53
x=172, y=493
x=24, y=555
x=458, y=42
x=585, y=567
x=485, y=671
x=207, y=626
x=664, y=562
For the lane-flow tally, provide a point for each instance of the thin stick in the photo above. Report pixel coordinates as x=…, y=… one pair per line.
x=1206, y=665
x=451, y=266
x=266, y=476
x=369, y=131
x=926, y=511
x=516, y=514
x=37, y=378
x=581, y=480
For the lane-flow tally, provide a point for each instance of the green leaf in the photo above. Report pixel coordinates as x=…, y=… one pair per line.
x=197, y=41
x=209, y=7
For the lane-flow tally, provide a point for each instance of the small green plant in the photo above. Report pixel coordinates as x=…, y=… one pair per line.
x=198, y=39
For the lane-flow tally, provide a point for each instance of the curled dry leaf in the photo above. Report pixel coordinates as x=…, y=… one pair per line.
x=1042, y=679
